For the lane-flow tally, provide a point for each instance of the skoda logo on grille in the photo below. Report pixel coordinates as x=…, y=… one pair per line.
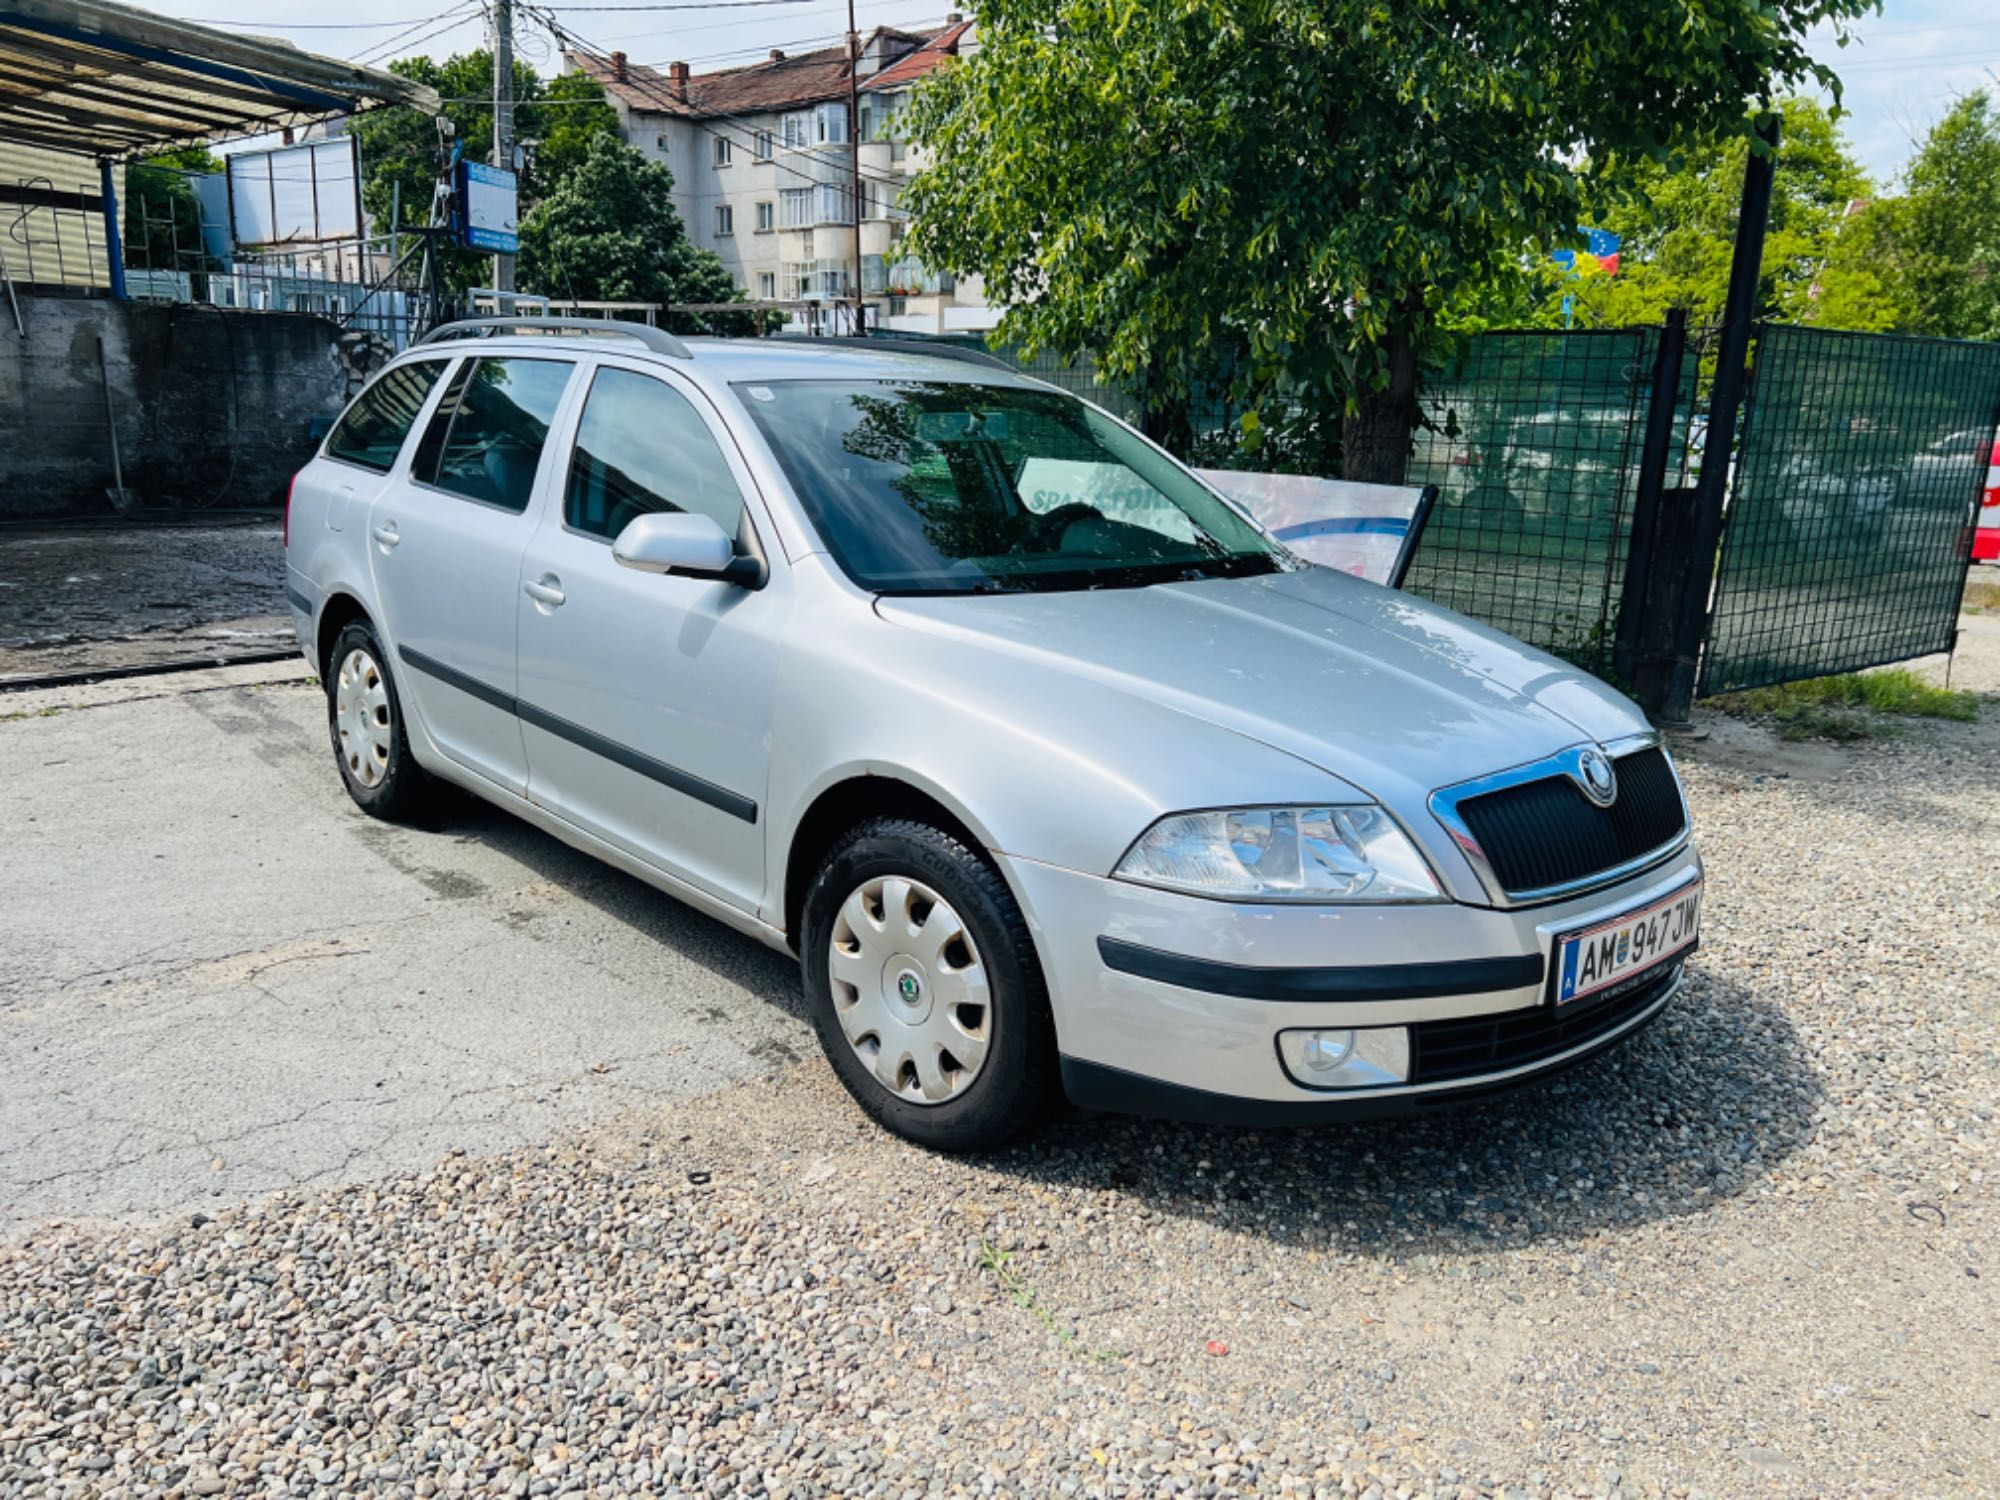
x=1595, y=775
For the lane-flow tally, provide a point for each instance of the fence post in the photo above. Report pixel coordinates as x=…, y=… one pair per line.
x=1661, y=409
x=1676, y=701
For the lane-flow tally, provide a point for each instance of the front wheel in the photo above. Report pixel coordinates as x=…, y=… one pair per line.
x=923, y=984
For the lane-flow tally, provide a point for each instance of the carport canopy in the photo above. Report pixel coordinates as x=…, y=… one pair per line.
x=115, y=82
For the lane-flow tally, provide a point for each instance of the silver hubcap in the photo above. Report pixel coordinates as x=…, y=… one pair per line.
x=361, y=717
x=909, y=990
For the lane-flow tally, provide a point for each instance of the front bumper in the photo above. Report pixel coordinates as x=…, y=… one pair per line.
x=1171, y=1005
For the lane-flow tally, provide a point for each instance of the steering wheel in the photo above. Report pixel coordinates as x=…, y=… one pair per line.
x=1049, y=529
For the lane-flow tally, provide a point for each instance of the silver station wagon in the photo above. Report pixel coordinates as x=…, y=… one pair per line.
x=1058, y=775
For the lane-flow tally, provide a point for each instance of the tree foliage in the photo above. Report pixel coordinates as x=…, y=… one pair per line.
x=1677, y=219
x=1936, y=248
x=608, y=232
x=1312, y=186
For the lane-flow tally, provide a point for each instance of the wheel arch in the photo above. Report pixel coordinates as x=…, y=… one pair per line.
x=339, y=610
x=852, y=799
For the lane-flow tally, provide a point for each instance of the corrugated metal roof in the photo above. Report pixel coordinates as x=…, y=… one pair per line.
x=111, y=80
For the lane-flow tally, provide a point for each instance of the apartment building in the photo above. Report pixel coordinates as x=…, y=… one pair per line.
x=762, y=161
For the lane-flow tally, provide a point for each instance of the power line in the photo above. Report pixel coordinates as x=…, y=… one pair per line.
x=452, y=18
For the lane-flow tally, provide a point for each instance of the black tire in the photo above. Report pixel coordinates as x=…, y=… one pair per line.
x=404, y=786
x=1016, y=1086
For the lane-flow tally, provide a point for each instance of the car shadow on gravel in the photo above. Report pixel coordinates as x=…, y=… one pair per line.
x=1701, y=1106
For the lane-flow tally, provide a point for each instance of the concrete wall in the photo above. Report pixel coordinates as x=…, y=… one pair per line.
x=212, y=407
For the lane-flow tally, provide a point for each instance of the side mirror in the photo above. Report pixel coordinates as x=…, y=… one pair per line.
x=685, y=543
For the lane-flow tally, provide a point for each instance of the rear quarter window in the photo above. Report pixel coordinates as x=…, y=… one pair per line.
x=371, y=434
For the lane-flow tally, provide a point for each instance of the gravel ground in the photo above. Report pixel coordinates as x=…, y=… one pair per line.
x=1757, y=1252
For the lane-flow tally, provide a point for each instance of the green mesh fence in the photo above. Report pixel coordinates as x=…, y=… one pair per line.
x=1848, y=531
x=1533, y=441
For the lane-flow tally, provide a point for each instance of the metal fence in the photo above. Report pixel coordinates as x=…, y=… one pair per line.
x=1855, y=486
x=1533, y=441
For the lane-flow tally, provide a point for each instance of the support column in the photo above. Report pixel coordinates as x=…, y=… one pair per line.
x=114, y=241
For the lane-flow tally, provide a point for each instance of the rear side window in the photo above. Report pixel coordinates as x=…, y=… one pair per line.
x=485, y=440
x=372, y=432
x=641, y=447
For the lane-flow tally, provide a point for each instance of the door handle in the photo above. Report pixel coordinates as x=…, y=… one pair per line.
x=546, y=590
x=386, y=534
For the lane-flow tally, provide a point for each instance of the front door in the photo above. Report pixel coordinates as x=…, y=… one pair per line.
x=645, y=700
x=446, y=542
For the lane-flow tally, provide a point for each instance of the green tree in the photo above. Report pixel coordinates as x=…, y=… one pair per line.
x=1936, y=248
x=1314, y=184
x=1677, y=218
x=163, y=221
x=609, y=232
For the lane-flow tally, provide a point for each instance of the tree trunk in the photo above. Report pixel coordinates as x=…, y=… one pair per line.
x=1376, y=437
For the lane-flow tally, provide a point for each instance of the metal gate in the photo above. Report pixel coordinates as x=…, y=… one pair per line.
x=1848, y=531
x=1533, y=441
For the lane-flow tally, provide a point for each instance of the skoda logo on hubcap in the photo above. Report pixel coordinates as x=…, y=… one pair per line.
x=1596, y=776
x=909, y=987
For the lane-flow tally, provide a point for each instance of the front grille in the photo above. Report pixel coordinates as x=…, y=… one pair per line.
x=1546, y=833
x=1444, y=1050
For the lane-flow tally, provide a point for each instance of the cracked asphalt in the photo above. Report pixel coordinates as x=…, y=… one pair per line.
x=218, y=978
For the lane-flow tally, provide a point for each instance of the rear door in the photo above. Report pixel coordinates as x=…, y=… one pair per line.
x=446, y=537
x=646, y=699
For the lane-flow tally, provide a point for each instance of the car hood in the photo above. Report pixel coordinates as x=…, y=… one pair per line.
x=1397, y=696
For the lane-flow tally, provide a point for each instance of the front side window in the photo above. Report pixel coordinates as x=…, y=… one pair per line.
x=932, y=487
x=642, y=447
x=371, y=433
x=485, y=440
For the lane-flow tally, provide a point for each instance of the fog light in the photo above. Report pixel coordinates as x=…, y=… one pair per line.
x=1346, y=1057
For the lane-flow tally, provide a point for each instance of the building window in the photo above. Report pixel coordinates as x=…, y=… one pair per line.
x=767, y=286
x=818, y=281
x=722, y=151
x=725, y=219
x=762, y=148
x=830, y=124
x=663, y=143
x=796, y=130
x=767, y=217
x=796, y=204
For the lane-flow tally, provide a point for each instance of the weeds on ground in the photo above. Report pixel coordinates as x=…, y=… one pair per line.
x=1858, y=706
x=1981, y=598
x=999, y=1264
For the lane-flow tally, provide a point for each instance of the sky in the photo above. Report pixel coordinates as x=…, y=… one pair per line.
x=1902, y=69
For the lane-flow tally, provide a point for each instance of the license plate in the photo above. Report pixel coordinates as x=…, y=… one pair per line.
x=1626, y=945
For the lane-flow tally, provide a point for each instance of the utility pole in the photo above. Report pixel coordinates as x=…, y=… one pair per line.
x=503, y=122
x=853, y=158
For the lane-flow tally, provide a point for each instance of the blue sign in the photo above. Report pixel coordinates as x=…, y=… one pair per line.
x=488, y=208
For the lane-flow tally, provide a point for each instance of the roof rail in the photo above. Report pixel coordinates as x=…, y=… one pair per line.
x=889, y=344
x=656, y=339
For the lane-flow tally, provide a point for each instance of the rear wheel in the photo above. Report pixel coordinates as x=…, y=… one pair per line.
x=923, y=984
x=365, y=717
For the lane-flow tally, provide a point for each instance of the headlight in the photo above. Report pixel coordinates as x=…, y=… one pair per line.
x=1282, y=854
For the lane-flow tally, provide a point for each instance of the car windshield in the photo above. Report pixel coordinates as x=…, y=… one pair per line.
x=922, y=487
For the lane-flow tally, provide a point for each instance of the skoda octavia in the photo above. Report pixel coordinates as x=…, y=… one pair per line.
x=1056, y=773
